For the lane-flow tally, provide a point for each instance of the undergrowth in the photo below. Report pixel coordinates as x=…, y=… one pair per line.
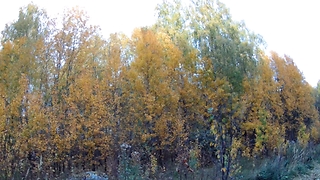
x=287, y=164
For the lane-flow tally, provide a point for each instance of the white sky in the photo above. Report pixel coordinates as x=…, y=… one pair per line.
x=289, y=27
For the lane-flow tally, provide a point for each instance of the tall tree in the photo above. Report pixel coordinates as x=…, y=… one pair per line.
x=31, y=34
x=262, y=129
x=153, y=91
x=296, y=96
x=279, y=107
x=77, y=56
x=24, y=76
x=232, y=48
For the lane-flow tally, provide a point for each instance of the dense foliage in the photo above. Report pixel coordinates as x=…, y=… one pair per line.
x=195, y=90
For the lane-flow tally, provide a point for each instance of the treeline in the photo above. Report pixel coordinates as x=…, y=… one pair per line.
x=194, y=90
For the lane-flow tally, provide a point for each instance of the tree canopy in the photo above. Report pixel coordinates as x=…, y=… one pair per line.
x=195, y=89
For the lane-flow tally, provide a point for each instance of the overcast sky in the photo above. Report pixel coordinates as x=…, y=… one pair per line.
x=289, y=27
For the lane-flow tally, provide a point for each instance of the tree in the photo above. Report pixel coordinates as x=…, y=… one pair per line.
x=30, y=33
x=194, y=90
x=77, y=56
x=279, y=107
x=24, y=75
x=263, y=131
x=209, y=28
x=117, y=55
x=296, y=97
x=153, y=93
x=222, y=110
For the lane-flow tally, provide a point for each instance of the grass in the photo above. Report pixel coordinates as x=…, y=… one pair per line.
x=295, y=161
